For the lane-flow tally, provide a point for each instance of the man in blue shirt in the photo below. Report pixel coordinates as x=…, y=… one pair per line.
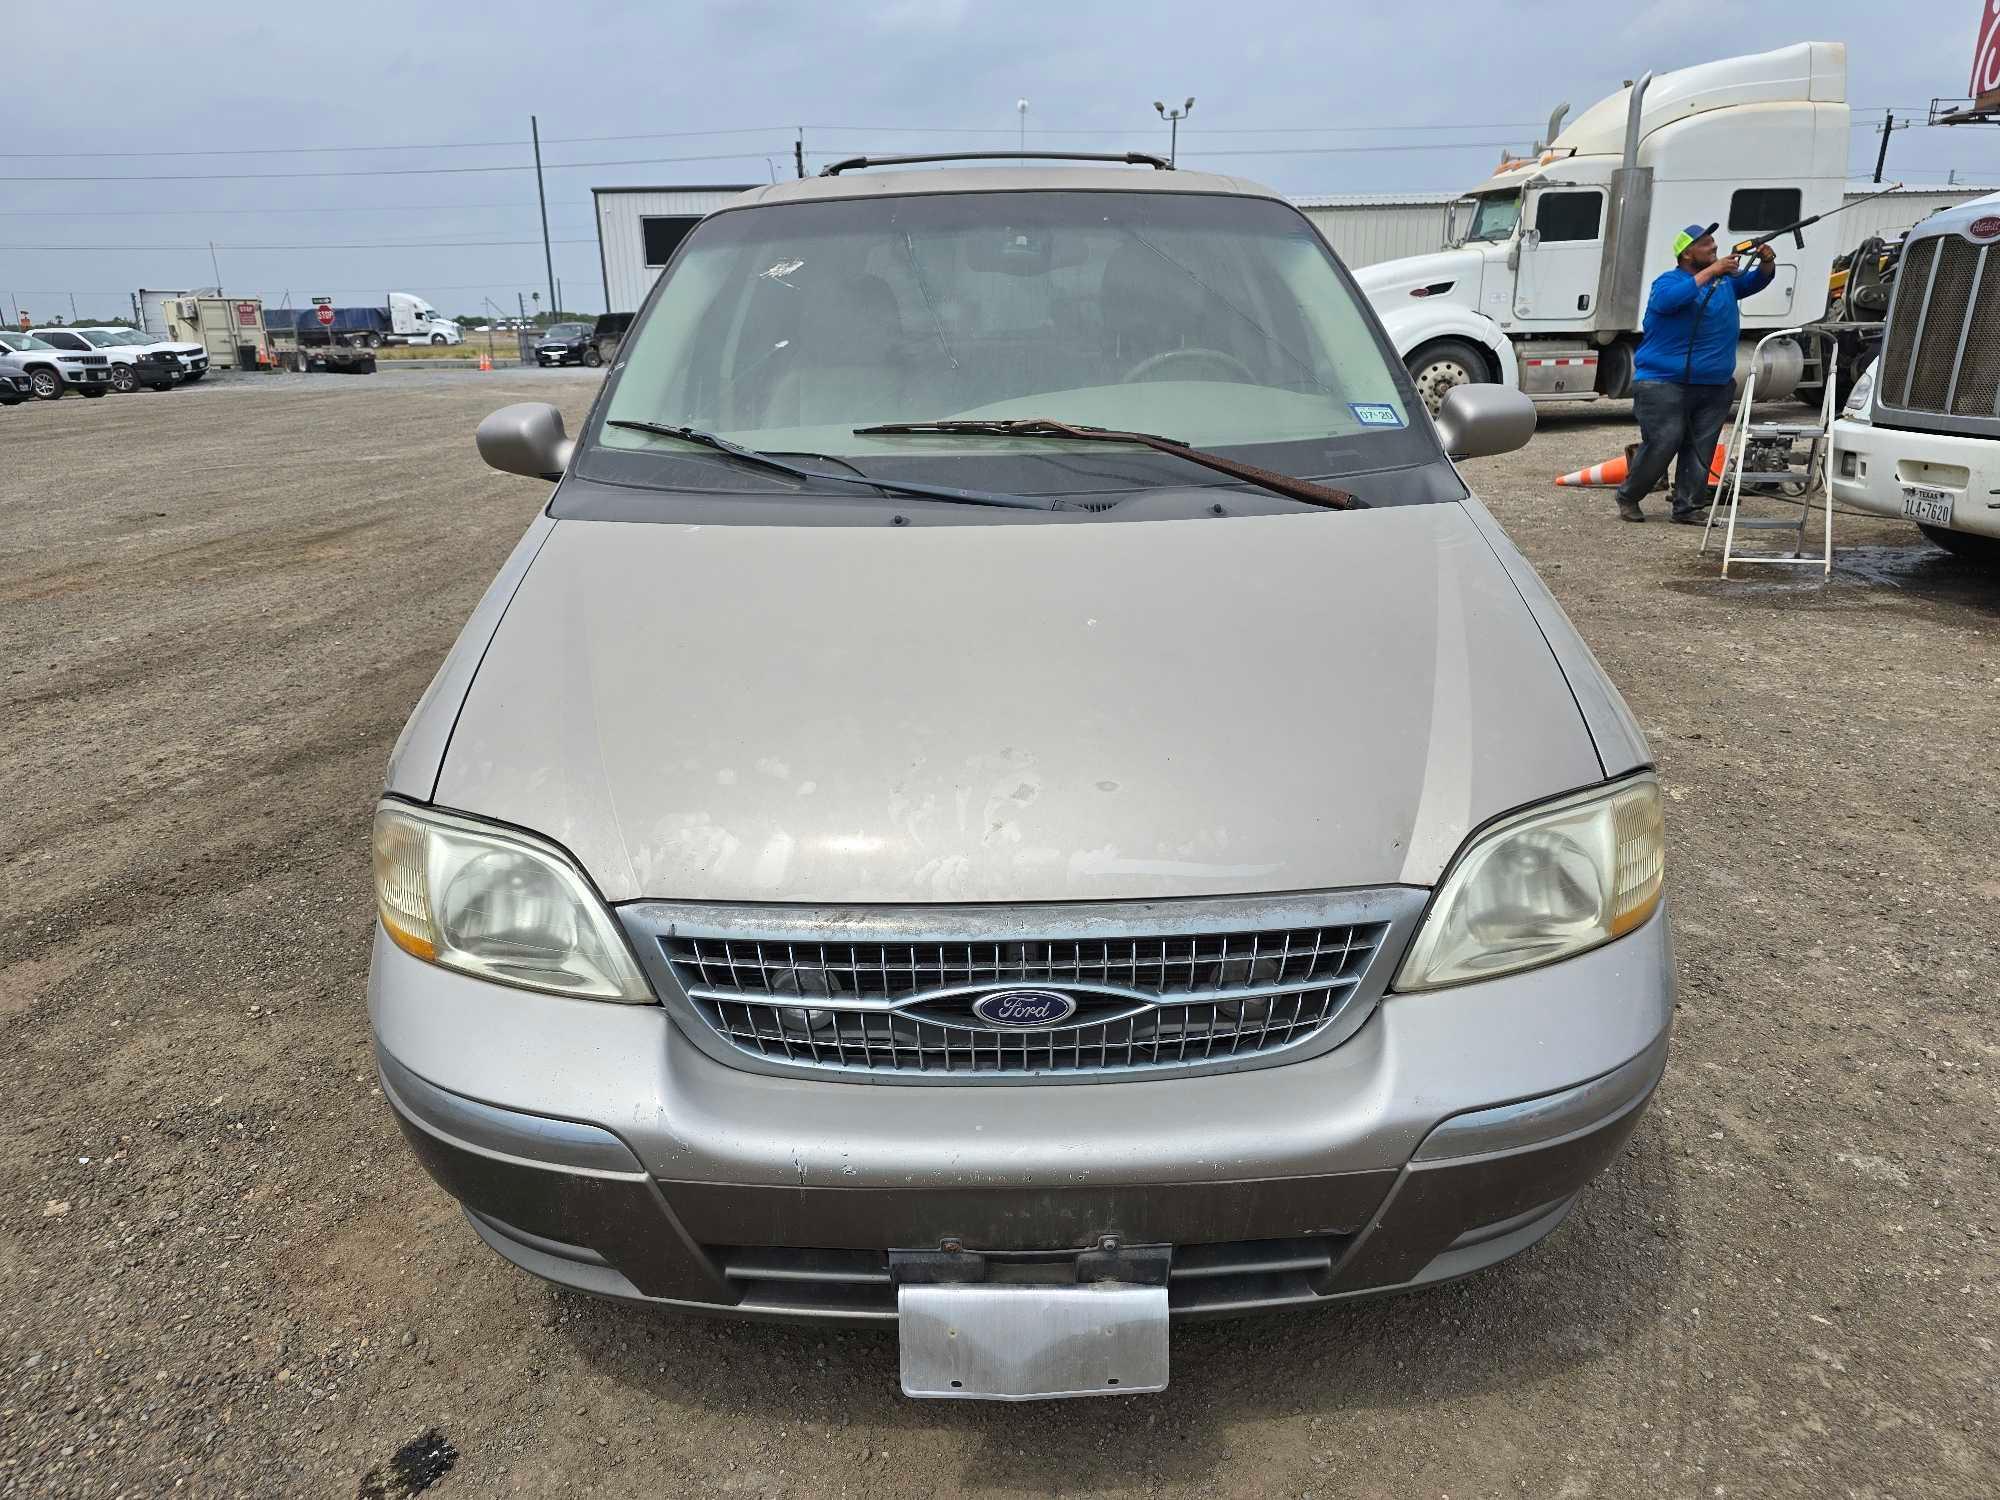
x=1684, y=369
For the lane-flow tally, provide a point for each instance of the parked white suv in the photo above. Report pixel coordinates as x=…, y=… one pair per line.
x=52, y=371
x=131, y=366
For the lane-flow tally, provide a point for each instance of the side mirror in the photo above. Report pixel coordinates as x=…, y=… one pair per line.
x=1531, y=237
x=1478, y=421
x=526, y=439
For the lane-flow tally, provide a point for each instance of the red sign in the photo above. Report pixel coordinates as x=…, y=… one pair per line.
x=326, y=317
x=1985, y=88
x=1986, y=227
x=246, y=314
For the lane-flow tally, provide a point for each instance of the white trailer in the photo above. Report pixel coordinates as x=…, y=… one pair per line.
x=1548, y=262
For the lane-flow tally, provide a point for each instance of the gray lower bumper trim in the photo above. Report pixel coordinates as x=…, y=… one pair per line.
x=1547, y=1118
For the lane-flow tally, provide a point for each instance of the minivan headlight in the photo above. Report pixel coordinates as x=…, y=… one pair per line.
x=1546, y=884
x=497, y=905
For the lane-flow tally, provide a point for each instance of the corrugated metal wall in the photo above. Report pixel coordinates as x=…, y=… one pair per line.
x=627, y=277
x=1366, y=229
x=1890, y=216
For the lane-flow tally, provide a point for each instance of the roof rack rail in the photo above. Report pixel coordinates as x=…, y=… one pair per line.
x=1127, y=158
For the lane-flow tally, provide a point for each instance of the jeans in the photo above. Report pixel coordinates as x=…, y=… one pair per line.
x=1675, y=421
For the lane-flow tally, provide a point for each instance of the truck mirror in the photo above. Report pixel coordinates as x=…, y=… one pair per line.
x=1478, y=421
x=526, y=439
x=1531, y=237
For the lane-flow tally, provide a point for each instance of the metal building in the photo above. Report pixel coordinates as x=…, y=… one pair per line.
x=637, y=230
x=1365, y=228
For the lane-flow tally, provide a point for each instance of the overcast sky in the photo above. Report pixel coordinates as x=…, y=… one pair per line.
x=182, y=101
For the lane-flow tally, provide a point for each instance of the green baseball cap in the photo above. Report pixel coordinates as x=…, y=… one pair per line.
x=1689, y=235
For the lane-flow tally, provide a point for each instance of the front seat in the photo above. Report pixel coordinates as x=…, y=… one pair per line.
x=854, y=363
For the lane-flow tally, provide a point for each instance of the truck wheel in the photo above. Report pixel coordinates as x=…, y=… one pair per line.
x=124, y=379
x=370, y=341
x=437, y=338
x=591, y=357
x=1439, y=368
x=1968, y=545
x=47, y=383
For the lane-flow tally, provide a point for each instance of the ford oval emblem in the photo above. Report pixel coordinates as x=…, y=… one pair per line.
x=1024, y=1008
x=1986, y=227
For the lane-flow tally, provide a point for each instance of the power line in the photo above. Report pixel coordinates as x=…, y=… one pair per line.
x=568, y=140
x=663, y=135
x=318, y=208
x=556, y=166
x=326, y=245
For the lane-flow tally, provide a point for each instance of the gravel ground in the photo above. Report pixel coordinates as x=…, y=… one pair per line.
x=222, y=1273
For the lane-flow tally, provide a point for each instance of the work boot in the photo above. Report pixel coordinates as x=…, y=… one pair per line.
x=1628, y=510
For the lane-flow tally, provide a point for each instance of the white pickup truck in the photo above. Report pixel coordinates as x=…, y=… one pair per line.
x=1919, y=436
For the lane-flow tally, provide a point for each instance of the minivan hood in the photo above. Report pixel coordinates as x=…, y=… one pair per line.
x=1008, y=713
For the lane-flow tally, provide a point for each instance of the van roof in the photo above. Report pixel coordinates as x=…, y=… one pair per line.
x=864, y=182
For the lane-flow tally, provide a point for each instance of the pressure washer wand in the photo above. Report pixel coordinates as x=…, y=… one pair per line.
x=1797, y=231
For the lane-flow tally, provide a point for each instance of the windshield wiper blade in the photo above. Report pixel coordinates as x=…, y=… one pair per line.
x=1047, y=427
x=753, y=458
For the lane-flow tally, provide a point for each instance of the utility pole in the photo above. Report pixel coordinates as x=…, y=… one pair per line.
x=521, y=307
x=1021, y=108
x=799, y=151
x=1882, y=155
x=548, y=256
x=1174, y=118
x=556, y=311
x=215, y=266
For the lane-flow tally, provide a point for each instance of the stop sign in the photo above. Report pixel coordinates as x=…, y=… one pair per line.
x=326, y=317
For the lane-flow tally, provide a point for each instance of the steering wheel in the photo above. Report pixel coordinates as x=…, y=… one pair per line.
x=1146, y=366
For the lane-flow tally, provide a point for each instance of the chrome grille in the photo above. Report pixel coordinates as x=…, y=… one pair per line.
x=1941, y=354
x=1146, y=1000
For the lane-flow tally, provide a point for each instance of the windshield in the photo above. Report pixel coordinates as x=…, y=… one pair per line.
x=1220, y=321
x=1496, y=216
x=565, y=331
x=128, y=336
x=22, y=341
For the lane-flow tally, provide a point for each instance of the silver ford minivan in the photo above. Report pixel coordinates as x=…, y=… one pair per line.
x=1012, y=792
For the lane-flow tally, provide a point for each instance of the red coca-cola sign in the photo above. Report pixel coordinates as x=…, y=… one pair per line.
x=1985, y=228
x=1985, y=89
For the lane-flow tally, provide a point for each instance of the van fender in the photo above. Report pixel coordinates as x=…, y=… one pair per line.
x=1410, y=328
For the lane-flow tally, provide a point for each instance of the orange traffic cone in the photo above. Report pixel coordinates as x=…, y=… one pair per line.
x=1611, y=472
x=485, y=361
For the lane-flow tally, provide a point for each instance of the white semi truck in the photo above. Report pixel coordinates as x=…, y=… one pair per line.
x=1544, y=280
x=1920, y=434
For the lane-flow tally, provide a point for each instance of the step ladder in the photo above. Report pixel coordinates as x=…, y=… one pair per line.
x=1803, y=475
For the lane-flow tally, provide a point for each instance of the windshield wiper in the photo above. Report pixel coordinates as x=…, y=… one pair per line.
x=1047, y=427
x=754, y=459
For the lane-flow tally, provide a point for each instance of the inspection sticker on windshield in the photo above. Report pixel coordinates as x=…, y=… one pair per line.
x=1375, y=415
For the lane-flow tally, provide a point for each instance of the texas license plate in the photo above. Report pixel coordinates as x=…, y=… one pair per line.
x=972, y=1341
x=1921, y=503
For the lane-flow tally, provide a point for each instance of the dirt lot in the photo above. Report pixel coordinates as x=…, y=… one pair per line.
x=222, y=1274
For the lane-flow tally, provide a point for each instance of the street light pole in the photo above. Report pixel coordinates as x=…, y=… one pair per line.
x=1173, y=118
x=1021, y=107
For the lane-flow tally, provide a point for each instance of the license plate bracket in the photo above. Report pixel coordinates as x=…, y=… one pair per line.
x=1025, y=1342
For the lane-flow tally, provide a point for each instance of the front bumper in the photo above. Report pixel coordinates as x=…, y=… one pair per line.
x=593, y=1145
x=558, y=356
x=1871, y=464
